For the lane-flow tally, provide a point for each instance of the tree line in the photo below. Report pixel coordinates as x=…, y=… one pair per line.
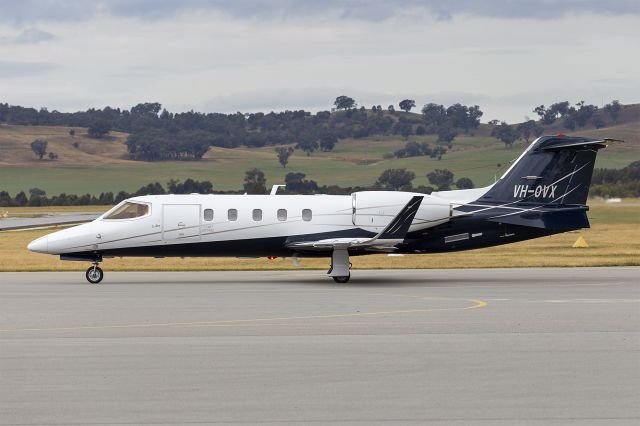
x=623, y=182
x=571, y=117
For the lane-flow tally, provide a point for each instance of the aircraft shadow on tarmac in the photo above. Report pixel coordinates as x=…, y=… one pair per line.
x=318, y=281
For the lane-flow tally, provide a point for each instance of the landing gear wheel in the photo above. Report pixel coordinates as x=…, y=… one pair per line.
x=94, y=274
x=342, y=280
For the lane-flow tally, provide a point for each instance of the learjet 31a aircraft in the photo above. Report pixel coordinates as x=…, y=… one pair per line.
x=543, y=192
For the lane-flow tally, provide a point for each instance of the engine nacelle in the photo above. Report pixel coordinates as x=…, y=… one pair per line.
x=373, y=210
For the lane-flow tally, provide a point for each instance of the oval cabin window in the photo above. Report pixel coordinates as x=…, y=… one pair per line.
x=307, y=215
x=208, y=215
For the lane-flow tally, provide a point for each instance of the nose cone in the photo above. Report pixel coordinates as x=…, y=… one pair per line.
x=41, y=245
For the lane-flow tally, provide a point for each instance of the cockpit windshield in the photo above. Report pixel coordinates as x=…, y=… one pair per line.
x=128, y=210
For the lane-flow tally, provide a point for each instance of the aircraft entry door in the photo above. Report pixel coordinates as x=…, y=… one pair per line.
x=181, y=222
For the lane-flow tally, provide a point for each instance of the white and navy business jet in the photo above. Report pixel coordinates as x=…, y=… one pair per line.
x=544, y=192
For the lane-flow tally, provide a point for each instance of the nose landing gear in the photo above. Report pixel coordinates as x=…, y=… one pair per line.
x=94, y=274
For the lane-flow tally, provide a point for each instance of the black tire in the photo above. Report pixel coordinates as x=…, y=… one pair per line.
x=94, y=275
x=342, y=280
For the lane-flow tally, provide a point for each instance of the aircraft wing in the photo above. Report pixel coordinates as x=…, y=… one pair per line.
x=391, y=235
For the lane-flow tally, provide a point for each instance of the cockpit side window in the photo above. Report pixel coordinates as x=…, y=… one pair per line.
x=129, y=210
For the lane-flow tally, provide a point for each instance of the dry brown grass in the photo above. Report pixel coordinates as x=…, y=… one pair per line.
x=15, y=146
x=610, y=245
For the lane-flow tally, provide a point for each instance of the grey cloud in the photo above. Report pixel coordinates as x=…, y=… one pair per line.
x=26, y=11
x=10, y=69
x=312, y=99
x=29, y=36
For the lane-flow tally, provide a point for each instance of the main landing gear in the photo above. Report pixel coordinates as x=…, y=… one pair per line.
x=94, y=274
x=340, y=266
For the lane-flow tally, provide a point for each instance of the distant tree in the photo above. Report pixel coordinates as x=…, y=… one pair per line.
x=505, y=133
x=540, y=110
x=308, y=144
x=39, y=147
x=582, y=114
x=72, y=132
x=547, y=116
x=21, y=199
x=323, y=115
x=328, y=141
x=37, y=192
x=457, y=115
x=5, y=199
x=420, y=130
x=559, y=109
x=390, y=108
x=37, y=197
x=446, y=134
x=493, y=122
x=394, y=179
x=441, y=178
x=344, y=102
x=149, y=109
x=53, y=156
x=176, y=187
x=434, y=115
x=413, y=149
x=528, y=129
x=407, y=104
x=296, y=182
x=99, y=129
x=473, y=117
x=283, y=155
x=157, y=189
x=613, y=109
x=598, y=122
x=438, y=152
x=255, y=182
x=464, y=183
x=569, y=122
x=402, y=128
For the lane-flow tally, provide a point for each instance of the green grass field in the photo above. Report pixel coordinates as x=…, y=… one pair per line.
x=97, y=166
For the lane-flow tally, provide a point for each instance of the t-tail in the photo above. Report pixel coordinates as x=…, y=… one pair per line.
x=547, y=186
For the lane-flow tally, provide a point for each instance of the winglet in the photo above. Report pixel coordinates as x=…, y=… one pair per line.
x=399, y=226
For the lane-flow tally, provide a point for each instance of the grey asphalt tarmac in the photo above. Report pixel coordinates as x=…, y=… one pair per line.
x=454, y=347
x=11, y=223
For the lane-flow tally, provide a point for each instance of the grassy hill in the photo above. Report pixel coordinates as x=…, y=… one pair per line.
x=86, y=165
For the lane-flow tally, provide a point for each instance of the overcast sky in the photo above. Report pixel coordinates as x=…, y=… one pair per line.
x=246, y=55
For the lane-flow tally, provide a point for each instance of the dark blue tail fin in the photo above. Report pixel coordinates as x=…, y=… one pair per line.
x=554, y=170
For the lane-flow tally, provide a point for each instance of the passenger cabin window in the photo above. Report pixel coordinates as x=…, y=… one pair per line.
x=232, y=214
x=306, y=215
x=208, y=215
x=282, y=215
x=257, y=215
x=128, y=210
